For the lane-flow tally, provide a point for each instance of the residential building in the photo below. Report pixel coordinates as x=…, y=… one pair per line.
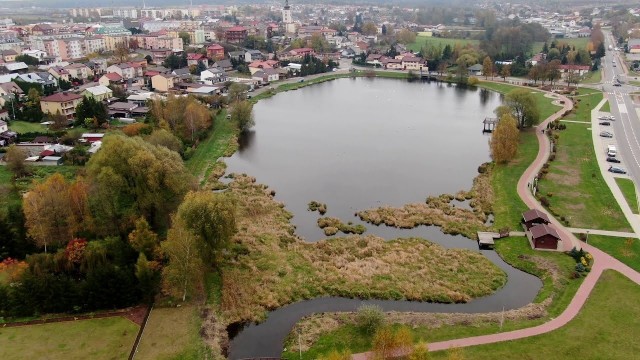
x=162, y=82
x=266, y=75
x=99, y=92
x=63, y=102
x=579, y=70
x=167, y=42
x=128, y=70
x=236, y=34
x=79, y=71
x=194, y=58
x=215, y=52
x=414, y=63
x=38, y=54
x=253, y=55
x=42, y=29
x=8, y=55
x=212, y=76
x=94, y=44
x=110, y=78
x=16, y=67
x=59, y=73
x=475, y=70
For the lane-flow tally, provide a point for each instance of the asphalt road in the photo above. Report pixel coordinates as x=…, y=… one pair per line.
x=626, y=127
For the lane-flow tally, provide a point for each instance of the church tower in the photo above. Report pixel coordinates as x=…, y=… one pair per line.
x=287, y=19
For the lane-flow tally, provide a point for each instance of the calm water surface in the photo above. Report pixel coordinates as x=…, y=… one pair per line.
x=360, y=143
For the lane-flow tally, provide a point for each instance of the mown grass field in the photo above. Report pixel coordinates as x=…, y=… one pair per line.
x=606, y=328
x=626, y=250
x=172, y=333
x=592, y=77
x=24, y=127
x=109, y=338
x=423, y=41
x=574, y=186
x=606, y=107
x=628, y=189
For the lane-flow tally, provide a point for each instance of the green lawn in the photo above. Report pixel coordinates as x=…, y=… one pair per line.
x=628, y=189
x=593, y=77
x=423, y=41
x=606, y=107
x=349, y=337
x=25, y=127
x=626, y=250
x=173, y=333
x=109, y=338
x=579, y=43
x=574, y=186
x=606, y=328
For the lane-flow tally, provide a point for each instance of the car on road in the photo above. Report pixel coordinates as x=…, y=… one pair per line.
x=603, y=118
x=606, y=134
x=613, y=160
x=605, y=123
x=617, y=170
x=617, y=84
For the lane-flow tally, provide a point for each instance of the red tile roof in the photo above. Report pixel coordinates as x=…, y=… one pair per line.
x=62, y=97
x=113, y=76
x=237, y=28
x=215, y=47
x=195, y=56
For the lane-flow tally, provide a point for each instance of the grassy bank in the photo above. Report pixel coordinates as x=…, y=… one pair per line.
x=574, y=187
x=109, y=338
x=626, y=250
x=628, y=189
x=339, y=331
x=606, y=327
x=221, y=142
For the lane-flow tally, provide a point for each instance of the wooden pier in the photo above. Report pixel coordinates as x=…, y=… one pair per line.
x=486, y=239
x=489, y=124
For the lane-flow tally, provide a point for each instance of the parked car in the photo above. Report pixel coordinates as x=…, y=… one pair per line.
x=610, y=118
x=606, y=134
x=605, y=123
x=603, y=117
x=613, y=160
x=617, y=170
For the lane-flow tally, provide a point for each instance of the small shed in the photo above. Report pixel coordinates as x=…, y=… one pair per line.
x=544, y=236
x=92, y=137
x=51, y=161
x=534, y=217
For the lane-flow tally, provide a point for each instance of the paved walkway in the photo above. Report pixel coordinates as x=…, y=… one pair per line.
x=603, y=232
x=602, y=260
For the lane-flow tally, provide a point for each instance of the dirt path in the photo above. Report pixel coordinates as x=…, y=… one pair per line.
x=602, y=260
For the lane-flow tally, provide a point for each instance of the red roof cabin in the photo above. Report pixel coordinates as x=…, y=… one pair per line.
x=534, y=217
x=544, y=236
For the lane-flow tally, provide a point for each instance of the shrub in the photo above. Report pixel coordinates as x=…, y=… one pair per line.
x=544, y=201
x=473, y=81
x=580, y=268
x=369, y=318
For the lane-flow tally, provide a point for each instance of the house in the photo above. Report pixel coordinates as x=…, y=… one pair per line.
x=8, y=91
x=224, y=64
x=162, y=82
x=99, y=66
x=99, y=92
x=63, y=102
x=183, y=73
x=42, y=140
x=91, y=137
x=194, y=58
x=122, y=109
x=392, y=64
x=79, y=71
x=59, y=73
x=535, y=59
x=301, y=52
x=544, y=236
x=237, y=55
x=374, y=59
x=253, y=55
x=266, y=75
x=236, y=34
x=8, y=55
x=109, y=78
x=38, y=54
x=158, y=55
x=534, y=217
x=126, y=70
x=413, y=63
x=42, y=29
x=475, y=70
x=212, y=76
x=16, y=67
x=215, y=52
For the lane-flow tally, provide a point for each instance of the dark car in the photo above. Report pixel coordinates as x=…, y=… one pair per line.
x=605, y=123
x=617, y=170
x=613, y=160
x=617, y=84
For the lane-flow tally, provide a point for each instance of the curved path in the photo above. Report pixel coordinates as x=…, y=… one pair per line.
x=602, y=260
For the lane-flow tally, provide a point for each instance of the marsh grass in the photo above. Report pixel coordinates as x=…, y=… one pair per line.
x=266, y=255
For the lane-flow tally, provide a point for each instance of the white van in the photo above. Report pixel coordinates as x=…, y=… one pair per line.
x=612, y=151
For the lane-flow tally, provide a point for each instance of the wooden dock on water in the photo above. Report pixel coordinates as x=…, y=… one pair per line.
x=486, y=239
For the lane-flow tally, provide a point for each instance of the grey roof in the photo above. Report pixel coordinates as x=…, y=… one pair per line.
x=476, y=67
x=181, y=72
